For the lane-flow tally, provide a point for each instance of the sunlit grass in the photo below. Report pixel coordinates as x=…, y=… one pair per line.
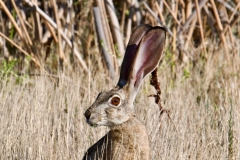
x=42, y=118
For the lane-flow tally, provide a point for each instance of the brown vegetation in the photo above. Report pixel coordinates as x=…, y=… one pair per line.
x=50, y=73
x=60, y=35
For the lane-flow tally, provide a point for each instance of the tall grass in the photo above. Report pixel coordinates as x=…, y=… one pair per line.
x=41, y=116
x=43, y=119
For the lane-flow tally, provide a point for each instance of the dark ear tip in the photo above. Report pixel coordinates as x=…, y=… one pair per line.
x=162, y=31
x=160, y=27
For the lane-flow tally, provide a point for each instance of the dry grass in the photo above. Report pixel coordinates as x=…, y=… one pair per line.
x=42, y=119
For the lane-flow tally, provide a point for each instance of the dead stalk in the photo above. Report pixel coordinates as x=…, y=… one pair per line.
x=24, y=52
x=11, y=19
x=129, y=22
x=171, y=12
x=175, y=29
x=44, y=15
x=22, y=23
x=160, y=13
x=123, y=17
x=201, y=27
x=222, y=36
x=37, y=19
x=190, y=33
x=61, y=55
x=115, y=27
x=51, y=30
x=192, y=17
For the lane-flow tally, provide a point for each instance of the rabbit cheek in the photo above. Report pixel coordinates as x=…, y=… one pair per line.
x=98, y=116
x=110, y=112
x=115, y=116
x=110, y=116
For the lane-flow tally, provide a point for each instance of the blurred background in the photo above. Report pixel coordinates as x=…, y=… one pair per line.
x=53, y=36
x=57, y=55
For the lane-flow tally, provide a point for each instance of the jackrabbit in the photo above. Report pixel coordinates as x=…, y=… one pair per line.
x=127, y=138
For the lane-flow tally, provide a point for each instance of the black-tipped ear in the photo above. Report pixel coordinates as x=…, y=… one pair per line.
x=142, y=55
x=131, y=50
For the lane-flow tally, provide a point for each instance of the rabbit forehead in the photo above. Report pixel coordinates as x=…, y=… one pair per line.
x=105, y=96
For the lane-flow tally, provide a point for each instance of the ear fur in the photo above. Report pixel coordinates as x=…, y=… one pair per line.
x=131, y=50
x=148, y=54
x=142, y=56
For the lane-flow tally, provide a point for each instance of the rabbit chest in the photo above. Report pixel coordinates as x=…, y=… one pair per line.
x=128, y=141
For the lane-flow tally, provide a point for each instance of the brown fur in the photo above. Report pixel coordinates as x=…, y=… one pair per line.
x=126, y=141
x=127, y=138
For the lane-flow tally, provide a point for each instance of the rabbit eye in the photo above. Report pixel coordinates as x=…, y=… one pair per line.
x=115, y=101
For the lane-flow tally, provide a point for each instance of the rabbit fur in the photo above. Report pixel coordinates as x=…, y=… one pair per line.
x=127, y=138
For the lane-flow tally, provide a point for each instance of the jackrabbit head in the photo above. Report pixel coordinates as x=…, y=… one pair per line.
x=142, y=56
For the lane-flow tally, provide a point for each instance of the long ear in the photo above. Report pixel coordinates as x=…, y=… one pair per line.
x=148, y=55
x=145, y=59
x=130, y=53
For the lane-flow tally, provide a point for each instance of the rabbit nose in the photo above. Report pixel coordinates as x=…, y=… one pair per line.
x=87, y=114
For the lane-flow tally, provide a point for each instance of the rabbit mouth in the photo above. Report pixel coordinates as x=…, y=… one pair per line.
x=94, y=122
x=91, y=123
x=102, y=122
